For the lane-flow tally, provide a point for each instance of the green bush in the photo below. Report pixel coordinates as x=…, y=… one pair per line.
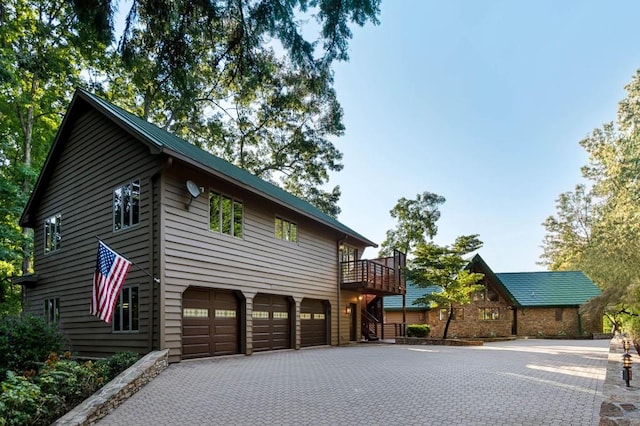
x=25, y=342
x=60, y=384
x=418, y=330
x=117, y=363
x=22, y=402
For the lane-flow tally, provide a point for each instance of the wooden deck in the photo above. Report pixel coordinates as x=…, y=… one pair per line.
x=369, y=276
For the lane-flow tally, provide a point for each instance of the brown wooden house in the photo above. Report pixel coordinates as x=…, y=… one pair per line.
x=242, y=266
x=538, y=304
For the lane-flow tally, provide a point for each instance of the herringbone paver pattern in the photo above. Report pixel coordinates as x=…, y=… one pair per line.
x=524, y=382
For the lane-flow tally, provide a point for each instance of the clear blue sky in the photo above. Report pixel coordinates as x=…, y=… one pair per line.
x=484, y=103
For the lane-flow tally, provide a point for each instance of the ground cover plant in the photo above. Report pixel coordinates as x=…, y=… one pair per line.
x=36, y=389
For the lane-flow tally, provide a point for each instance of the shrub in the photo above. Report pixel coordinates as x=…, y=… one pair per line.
x=418, y=330
x=117, y=363
x=60, y=384
x=22, y=402
x=25, y=342
x=69, y=379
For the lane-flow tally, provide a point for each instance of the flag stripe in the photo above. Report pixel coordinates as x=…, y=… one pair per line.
x=110, y=274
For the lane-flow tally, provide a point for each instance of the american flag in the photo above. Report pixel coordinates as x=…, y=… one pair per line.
x=111, y=271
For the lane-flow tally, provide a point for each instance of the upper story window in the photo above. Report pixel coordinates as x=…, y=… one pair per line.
x=348, y=254
x=52, y=233
x=226, y=215
x=126, y=205
x=286, y=230
x=486, y=294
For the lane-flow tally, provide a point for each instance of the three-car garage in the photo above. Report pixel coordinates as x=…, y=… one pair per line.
x=212, y=322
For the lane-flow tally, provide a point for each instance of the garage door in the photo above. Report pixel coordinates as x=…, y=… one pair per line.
x=271, y=322
x=209, y=323
x=313, y=322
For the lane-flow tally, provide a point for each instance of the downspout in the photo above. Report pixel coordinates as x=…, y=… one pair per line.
x=339, y=275
x=154, y=179
x=151, y=263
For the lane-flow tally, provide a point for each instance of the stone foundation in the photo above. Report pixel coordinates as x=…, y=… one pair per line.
x=433, y=341
x=116, y=391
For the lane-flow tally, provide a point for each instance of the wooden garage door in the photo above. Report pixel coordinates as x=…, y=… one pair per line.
x=209, y=323
x=313, y=322
x=271, y=322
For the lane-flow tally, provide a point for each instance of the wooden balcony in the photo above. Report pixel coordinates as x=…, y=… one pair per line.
x=374, y=277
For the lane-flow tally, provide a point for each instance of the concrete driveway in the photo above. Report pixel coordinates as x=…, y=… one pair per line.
x=523, y=382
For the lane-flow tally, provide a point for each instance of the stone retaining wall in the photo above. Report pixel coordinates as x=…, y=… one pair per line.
x=116, y=391
x=433, y=341
x=621, y=405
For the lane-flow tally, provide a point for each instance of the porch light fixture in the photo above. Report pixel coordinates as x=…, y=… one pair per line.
x=348, y=310
x=194, y=192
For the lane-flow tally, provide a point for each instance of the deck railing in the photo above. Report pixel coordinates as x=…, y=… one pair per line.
x=366, y=274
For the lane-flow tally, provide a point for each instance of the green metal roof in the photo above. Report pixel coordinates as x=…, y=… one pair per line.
x=173, y=145
x=549, y=288
x=394, y=303
x=528, y=289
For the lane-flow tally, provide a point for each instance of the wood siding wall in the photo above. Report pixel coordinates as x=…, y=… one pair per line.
x=97, y=157
x=193, y=255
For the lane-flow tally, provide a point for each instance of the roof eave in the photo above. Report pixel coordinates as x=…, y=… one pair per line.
x=179, y=156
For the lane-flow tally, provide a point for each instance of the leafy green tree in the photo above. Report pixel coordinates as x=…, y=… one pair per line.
x=568, y=233
x=598, y=230
x=41, y=58
x=416, y=223
x=446, y=267
x=241, y=79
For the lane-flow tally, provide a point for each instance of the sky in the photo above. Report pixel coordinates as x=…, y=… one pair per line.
x=484, y=103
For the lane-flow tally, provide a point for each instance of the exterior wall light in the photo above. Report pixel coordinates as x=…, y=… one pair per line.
x=348, y=310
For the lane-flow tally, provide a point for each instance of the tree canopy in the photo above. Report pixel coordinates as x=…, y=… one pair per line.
x=249, y=80
x=430, y=264
x=596, y=228
x=416, y=222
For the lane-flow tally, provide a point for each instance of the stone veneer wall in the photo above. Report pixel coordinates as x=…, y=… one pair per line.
x=116, y=391
x=621, y=405
x=471, y=325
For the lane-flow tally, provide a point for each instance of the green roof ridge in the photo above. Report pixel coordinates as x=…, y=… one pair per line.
x=163, y=139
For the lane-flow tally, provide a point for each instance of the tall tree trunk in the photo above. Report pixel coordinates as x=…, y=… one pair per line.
x=27, y=122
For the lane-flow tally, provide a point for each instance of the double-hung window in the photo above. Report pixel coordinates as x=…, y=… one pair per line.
x=126, y=205
x=226, y=215
x=52, y=233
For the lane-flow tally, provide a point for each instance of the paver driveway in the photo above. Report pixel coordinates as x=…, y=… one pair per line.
x=523, y=382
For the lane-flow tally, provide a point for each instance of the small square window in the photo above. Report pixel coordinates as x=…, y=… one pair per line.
x=286, y=230
x=488, y=314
